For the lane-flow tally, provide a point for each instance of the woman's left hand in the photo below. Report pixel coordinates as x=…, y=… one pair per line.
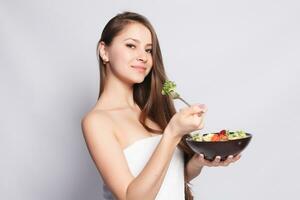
x=198, y=160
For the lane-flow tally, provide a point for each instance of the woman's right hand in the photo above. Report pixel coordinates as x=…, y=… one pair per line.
x=187, y=120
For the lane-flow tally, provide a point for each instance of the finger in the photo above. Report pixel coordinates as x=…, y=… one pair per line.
x=201, y=121
x=200, y=159
x=200, y=114
x=227, y=161
x=204, y=110
x=236, y=158
x=201, y=125
x=231, y=159
x=216, y=161
x=197, y=109
x=204, y=161
x=203, y=107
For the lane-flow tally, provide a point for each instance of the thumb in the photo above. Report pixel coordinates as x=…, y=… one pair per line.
x=197, y=109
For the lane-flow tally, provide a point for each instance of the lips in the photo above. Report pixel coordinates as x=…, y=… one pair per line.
x=140, y=68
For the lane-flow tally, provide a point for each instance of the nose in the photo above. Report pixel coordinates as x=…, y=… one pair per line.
x=142, y=56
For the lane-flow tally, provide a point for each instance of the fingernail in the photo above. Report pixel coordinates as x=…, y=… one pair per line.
x=201, y=105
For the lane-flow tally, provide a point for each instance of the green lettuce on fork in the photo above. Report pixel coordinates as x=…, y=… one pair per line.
x=169, y=88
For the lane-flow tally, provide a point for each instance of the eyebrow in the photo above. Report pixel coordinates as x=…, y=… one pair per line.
x=136, y=40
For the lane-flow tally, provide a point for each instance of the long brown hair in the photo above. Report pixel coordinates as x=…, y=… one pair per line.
x=147, y=94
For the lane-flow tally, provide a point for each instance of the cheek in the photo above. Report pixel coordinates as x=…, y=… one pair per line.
x=150, y=61
x=150, y=65
x=119, y=57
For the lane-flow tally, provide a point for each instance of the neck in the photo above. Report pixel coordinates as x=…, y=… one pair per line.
x=117, y=94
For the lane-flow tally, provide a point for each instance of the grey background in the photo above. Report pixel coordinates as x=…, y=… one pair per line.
x=241, y=58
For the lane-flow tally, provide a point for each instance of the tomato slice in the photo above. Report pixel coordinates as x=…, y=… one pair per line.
x=216, y=137
x=223, y=137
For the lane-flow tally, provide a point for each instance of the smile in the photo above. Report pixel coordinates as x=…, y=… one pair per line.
x=140, y=69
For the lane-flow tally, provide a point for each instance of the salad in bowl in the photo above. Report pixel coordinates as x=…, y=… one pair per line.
x=222, y=143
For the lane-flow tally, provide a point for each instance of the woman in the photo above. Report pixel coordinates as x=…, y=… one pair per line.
x=133, y=133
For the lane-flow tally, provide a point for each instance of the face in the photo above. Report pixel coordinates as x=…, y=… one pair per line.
x=130, y=54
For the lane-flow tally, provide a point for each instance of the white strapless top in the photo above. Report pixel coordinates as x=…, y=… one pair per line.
x=138, y=154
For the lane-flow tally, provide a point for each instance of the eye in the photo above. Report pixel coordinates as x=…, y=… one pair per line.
x=149, y=50
x=130, y=46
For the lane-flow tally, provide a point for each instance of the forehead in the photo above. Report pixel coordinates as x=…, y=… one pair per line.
x=136, y=31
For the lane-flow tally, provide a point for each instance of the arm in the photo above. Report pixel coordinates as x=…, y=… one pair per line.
x=148, y=182
x=112, y=165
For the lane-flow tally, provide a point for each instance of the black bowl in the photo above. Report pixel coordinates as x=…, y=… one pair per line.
x=219, y=148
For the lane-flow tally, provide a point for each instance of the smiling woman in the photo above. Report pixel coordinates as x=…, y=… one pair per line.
x=129, y=52
x=134, y=134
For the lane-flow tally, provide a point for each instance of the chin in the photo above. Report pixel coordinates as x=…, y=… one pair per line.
x=137, y=77
x=139, y=80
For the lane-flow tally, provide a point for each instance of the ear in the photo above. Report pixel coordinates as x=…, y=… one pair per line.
x=102, y=50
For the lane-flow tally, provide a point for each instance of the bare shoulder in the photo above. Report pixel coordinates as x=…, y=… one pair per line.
x=97, y=119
